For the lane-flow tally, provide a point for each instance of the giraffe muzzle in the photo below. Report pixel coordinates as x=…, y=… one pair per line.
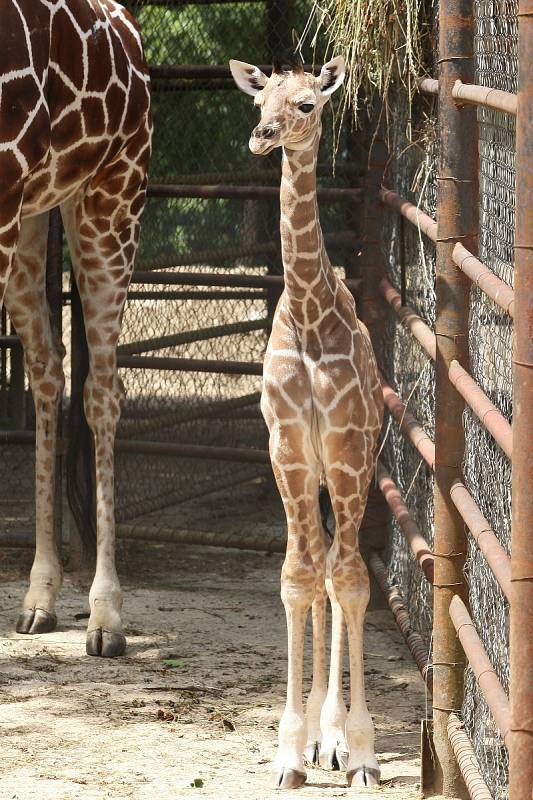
x=264, y=139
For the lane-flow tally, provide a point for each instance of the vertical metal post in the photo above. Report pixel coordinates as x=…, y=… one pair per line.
x=457, y=207
x=521, y=633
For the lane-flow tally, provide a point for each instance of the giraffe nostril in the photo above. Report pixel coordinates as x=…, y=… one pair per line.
x=264, y=132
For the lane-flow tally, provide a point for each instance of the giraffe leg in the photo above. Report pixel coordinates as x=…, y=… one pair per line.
x=299, y=581
x=317, y=694
x=26, y=303
x=102, y=226
x=334, y=750
x=10, y=207
x=348, y=485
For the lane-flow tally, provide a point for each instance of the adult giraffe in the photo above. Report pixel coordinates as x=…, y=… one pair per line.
x=323, y=406
x=75, y=132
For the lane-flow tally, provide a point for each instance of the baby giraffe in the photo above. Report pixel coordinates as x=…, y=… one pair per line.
x=323, y=407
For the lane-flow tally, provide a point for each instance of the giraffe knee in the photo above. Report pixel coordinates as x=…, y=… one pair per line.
x=349, y=580
x=46, y=377
x=103, y=396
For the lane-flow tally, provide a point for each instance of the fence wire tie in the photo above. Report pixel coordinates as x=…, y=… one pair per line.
x=451, y=554
x=446, y=585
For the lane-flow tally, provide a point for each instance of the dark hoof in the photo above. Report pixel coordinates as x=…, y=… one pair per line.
x=311, y=752
x=36, y=620
x=288, y=779
x=334, y=760
x=105, y=643
x=363, y=776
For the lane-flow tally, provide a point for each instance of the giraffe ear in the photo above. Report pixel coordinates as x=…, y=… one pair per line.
x=331, y=76
x=248, y=78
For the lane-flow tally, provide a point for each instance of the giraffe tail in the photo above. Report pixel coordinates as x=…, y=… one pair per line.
x=324, y=502
x=80, y=463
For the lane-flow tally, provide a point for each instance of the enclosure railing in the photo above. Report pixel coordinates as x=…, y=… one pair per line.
x=454, y=232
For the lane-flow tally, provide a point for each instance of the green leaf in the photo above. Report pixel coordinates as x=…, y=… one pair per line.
x=173, y=663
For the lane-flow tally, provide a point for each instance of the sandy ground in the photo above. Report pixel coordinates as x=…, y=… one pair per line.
x=198, y=696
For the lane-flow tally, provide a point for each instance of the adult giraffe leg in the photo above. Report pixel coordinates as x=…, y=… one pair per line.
x=102, y=226
x=298, y=486
x=348, y=482
x=27, y=306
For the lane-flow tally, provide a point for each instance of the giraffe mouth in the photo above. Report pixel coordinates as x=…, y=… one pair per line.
x=261, y=147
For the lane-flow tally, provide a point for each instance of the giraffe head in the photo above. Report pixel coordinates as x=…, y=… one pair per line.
x=290, y=101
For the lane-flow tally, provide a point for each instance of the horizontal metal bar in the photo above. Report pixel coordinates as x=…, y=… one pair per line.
x=17, y=539
x=180, y=3
x=220, y=279
x=190, y=365
x=483, y=535
x=199, y=295
x=418, y=218
x=485, y=96
x=250, y=540
x=412, y=321
x=408, y=424
x=241, y=454
x=467, y=760
x=396, y=603
x=419, y=546
x=428, y=85
x=482, y=668
x=482, y=276
x=7, y=342
x=488, y=414
x=17, y=437
x=207, y=71
x=228, y=192
x=187, y=337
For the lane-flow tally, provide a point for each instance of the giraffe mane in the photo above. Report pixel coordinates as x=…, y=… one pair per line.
x=288, y=61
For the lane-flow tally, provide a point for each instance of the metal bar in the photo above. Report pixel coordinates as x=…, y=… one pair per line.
x=412, y=213
x=139, y=4
x=6, y=342
x=186, y=337
x=190, y=365
x=457, y=215
x=485, y=96
x=220, y=192
x=428, y=85
x=239, y=541
x=483, y=535
x=394, y=598
x=521, y=627
x=482, y=668
x=466, y=758
x=220, y=279
x=484, y=278
x=420, y=548
x=408, y=424
x=246, y=455
x=17, y=539
x=17, y=437
x=411, y=320
x=477, y=400
x=191, y=295
x=209, y=71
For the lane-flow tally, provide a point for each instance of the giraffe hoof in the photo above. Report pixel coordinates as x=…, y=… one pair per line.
x=36, y=620
x=104, y=643
x=288, y=779
x=334, y=759
x=311, y=752
x=363, y=776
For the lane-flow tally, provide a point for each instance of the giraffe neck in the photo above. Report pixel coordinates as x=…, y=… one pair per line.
x=308, y=273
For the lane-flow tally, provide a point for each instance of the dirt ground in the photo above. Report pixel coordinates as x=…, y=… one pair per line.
x=197, y=698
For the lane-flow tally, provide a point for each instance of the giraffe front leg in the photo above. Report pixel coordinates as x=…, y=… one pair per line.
x=317, y=695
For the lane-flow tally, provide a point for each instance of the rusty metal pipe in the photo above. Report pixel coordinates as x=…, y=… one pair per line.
x=408, y=424
x=241, y=541
x=220, y=279
x=186, y=337
x=420, y=548
x=482, y=276
x=411, y=213
x=228, y=192
x=245, y=455
x=394, y=598
x=488, y=414
x=485, y=96
x=521, y=630
x=483, y=535
x=428, y=85
x=190, y=365
x=482, y=668
x=412, y=321
x=466, y=758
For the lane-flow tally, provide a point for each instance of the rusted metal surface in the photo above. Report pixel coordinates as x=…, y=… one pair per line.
x=190, y=365
x=218, y=192
x=479, y=661
x=396, y=603
x=457, y=210
x=428, y=85
x=409, y=211
x=485, y=96
x=482, y=407
x=408, y=424
x=521, y=633
x=241, y=454
x=466, y=758
x=186, y=337
x=483, y=535
x=240, y=541
x=412, y=321
x=482, y=276
x=420, y=548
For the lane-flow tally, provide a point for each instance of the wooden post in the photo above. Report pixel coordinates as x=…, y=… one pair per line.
x=457, y=209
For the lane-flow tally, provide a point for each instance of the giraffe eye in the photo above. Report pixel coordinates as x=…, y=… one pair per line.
x=306, y=107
